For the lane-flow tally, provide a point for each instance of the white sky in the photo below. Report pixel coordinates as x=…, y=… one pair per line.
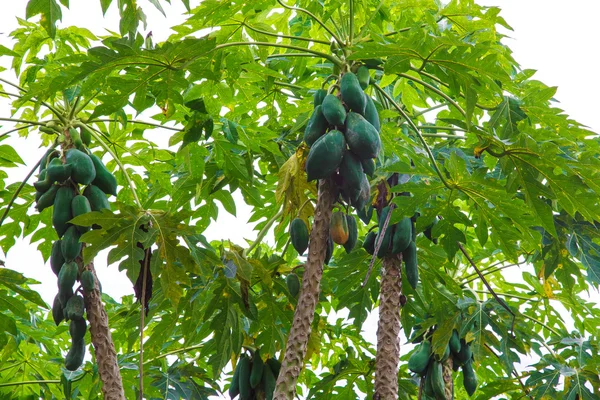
x=561, y=41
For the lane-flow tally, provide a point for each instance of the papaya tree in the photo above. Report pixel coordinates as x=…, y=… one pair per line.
x=413, y=165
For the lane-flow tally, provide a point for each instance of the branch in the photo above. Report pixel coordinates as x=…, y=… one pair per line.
x=326, y=56
x=416, y=129
x=373, y=15
x=436, y=90
x=15, y=130
x=57, y=113
x=313, y=16
x=172, y=352
x=263, y=232
x=40, y=382
x=117, y=160
x=513, y=372
x=23, y=121
x=283, y=36
x=135, y=122
x=351, y=33
x=380, y=236
x=514, y=296
x=488, y=271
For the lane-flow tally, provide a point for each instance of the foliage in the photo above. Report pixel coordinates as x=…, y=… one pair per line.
x=477, y=141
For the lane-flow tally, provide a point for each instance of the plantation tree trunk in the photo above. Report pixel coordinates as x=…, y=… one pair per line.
x=448, y=379
x=106, y=356
x=388, y=330
x=295, y=351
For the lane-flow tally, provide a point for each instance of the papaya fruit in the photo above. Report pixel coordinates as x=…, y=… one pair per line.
x=402, y=236
x=57, y=310
x=299, y=235
x=369, y=243
x=352, y=93
x=74, y=357
x=234, y=387
x=104, y=179
x=42, y=185
x=75, y=308
x=333, y=110
x=365, y=214
x=352, y=234
x=368, y=165
x=66, y=280
x=244, y=382
x=351, y=170
x=325, y=156
x=364, y=195
x=76, y=138
x=47, y=199
x=428, y=231
x=61, y=214
x=419, y=359
x=371, y=114
x=87, y=280
x=319, y=96
x=96, y=197
x=70, y=245
x=258, y=367
x=268, y=382
x=444, y=356
x=454, y=342
x=384, y=248
x=469, y=378
x=437, y=381
x=338, y=228
x=363, y=76
x=465, y=354
x=83, y=170
x=329, y=251
x=410, y=264
x=373, y=62
x=316, y=126
x=428, y=387
x=77, y=329
x=57, y=171
x=79, y=206
x=45, y=159
x=362, y=137
x=293, y=284
x=86, y=136
x=64, y=296
x=275, y=366
x=56, y=257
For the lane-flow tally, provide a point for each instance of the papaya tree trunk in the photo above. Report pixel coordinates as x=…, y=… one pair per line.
x=106, y=356
x=295, y=351
x=448, y=379
x=388, y=330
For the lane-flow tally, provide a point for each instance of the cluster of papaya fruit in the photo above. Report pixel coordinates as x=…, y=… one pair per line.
x=59, y=178
x=343, y=136
x=399, y=238
x=429, y=366
x=254, y=378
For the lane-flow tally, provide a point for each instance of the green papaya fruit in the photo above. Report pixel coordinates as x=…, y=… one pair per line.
x=419, y=360
x=76, y=138
x=338, y=228
x=428, y=387
x=428, y=232
x=61, y=214
x=75, y=308
x=74, y=357
x=47, y=199
x=369, y=243
x=268, y=382
x=351, y=171
x=454, y=342
x=437, y=380
x=66, y=279
x=319, y=96
x=43, y=184
x=83, y=170
x=368, y=166
x=104, y=179
x=316, y=126
x=86, y=136
x=411, y=265
x=258, y=367
x=87, y=280
x=465, y=354
x=56, y=257
x=362, y=199
x=329, y=251
x=365, y=214
x=371, y=114
x=57, y=310
x=79, y=206
x=299, y=235
x=234, y=387
x=373, y=62
x=362, y=137
x=402, y=236
x=46, y=158
x=333, y=110
x=364, y=78
x=96, y=197
x=70, y=245
x=444, y=356
x=293, y=284
x=325, y=156
x=384, y=248
x=57, y=171
x=352, y=93
x=244, y=382
x=275, y=366
x=352, y=233
x=77, y=329
x=469, y=378
x=48, y=131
